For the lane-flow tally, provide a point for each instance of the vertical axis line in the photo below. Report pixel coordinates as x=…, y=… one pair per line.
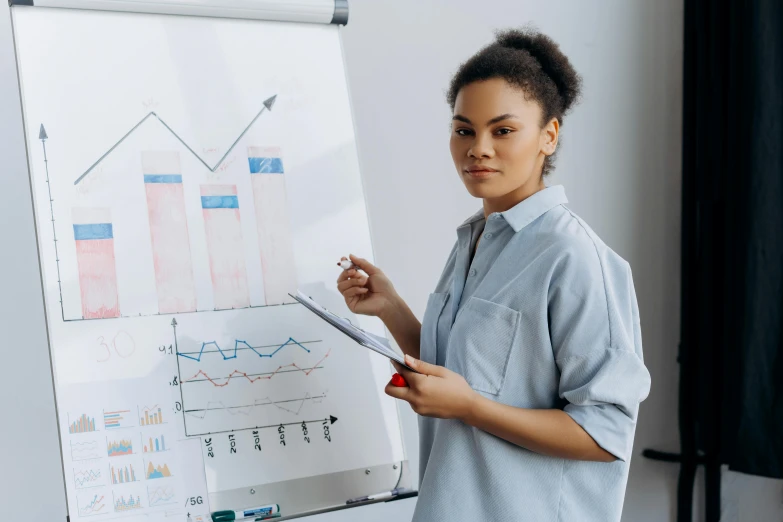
x=179, y=374
x=54, y=230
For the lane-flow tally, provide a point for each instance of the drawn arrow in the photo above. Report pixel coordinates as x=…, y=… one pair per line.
x=332, y=418
x=268, y=104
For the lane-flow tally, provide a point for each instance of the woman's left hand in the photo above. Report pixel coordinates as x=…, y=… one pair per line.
x=434, y=391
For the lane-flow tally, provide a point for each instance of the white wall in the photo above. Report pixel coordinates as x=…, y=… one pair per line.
x=620, y=163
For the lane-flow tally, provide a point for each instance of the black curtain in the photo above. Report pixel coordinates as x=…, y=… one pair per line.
x=731, y=349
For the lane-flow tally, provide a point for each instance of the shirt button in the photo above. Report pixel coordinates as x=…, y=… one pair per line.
x=472, y=271
x=488, y=236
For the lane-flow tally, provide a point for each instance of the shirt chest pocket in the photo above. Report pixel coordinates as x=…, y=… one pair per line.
x=480, y=343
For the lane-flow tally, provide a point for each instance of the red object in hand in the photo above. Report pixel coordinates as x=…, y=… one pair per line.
x=399, y=381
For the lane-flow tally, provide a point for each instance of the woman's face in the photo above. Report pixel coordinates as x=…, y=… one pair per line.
x=497, y=143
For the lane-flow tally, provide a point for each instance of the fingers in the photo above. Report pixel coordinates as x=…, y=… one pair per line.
x=397, y=392
x=348, y=284
x=365, y=265
x=422, y=367
x=353, y=292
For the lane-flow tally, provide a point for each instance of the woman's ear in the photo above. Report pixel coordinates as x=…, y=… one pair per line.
x=549, y=136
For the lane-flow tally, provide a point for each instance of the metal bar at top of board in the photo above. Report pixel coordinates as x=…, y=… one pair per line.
x=307, y=11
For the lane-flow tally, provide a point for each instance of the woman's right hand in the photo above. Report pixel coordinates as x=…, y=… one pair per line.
x=367, y=292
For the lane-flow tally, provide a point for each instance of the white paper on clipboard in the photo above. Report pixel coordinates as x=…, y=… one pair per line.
x=368, y=340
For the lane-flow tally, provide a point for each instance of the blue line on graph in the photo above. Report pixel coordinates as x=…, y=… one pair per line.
x=290, y=342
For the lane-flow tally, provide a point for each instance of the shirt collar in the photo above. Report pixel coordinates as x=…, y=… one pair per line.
x=525, y=212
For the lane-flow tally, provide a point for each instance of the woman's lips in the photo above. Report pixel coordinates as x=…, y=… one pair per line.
x=477, y=172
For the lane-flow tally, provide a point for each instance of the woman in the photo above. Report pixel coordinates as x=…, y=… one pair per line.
x=529, y=354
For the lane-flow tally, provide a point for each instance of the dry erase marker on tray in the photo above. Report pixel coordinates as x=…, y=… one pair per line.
x=378, y=496
x=229, y=516
x=270, y=517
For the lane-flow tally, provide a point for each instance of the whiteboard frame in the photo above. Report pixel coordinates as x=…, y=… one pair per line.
x=307, y=11
x=327, y=493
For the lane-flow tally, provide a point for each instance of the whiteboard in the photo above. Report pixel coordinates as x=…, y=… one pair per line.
x=188, y=173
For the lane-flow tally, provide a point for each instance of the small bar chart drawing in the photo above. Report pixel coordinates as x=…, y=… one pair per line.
x=94, y=236
x=123, y=475
x=150, y=415
x=155, y=445
x=274, y=236
x=220, y=207
x=116, y=419
x=169, y=231
x=82, y=424
x=133, y=503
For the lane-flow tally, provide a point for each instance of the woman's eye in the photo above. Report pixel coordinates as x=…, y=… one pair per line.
x=503, y=132
x=463, y=132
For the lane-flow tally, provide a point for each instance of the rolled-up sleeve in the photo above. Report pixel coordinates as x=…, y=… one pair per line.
x=596, y=338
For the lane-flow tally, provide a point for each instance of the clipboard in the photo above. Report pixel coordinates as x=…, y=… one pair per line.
x=369, y=340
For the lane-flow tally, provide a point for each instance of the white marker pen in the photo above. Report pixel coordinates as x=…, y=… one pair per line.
x=346, y=264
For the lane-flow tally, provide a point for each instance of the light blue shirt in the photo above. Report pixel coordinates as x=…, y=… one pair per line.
x=545, y=316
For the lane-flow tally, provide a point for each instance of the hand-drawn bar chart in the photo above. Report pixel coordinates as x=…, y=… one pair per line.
x=132, y=504
x=226, y=249
x=169, y=231
x=94, y=236
x=82, y=424
x=116, y=419
x=123, y=475
x=274, y=236
x=150, y=415
x=155, y=445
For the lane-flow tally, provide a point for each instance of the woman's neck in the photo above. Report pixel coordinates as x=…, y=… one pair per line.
x=513, y=198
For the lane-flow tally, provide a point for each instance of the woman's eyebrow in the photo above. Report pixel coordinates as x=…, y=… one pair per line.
x=507, y=116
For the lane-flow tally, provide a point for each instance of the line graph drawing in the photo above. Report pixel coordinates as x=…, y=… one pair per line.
x=246, y=409
x=91, y=505
x=257, y=377
x=290, y=342
x=88, y=478
x=268, y=103
x=159, y=496
x=86, y=450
